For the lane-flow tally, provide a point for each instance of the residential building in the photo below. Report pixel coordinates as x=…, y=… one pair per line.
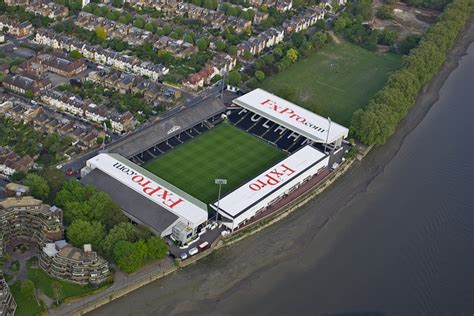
x=17, y=2
x=83, y=266
x=29, y=218
x=7, y=302
x=10, y=162
x=49, y=9
x=18, y=29
x=64, y=65
x=100, y=55
x=22, y=83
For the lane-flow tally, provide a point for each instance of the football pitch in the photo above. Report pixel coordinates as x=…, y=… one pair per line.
x=335, y=81
x=223, y=152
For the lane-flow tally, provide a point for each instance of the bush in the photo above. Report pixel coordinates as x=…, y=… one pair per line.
x=385, y=12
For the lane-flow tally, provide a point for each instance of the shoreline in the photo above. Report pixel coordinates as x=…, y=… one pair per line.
x=354, y=181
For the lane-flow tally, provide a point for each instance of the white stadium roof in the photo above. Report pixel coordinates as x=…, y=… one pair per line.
x=291, y=116
x=249, y=194
x=151, y=187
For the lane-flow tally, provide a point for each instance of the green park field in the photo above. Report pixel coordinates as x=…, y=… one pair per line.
x=334, y=81
x=223, y=152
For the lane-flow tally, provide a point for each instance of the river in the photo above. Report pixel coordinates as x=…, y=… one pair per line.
x=395, y=236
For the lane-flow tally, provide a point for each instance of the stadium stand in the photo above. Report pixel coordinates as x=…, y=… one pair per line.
x=201, y=128
x=174, y=142
x=157, y=133
x=261, y=127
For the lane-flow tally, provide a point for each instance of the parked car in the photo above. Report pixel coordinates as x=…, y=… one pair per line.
x=203, y=246
x=193, y=251
x=183, y=256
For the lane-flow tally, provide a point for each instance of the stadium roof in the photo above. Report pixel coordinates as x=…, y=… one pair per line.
x=141, y=209
x=148, y=186
x=167, y=127
x=262, y=186
x=291, y=116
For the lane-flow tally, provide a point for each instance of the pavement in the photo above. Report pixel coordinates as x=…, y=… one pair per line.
x=22, y=258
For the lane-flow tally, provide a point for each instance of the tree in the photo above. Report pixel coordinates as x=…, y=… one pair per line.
x=139, y=23
x=75, y=54
x=319, y=39
x=410, y=42
x=38, y=186
x=202, y=44
x=387, y=37
x=292, y=55
x=101, y=33
x=123, y=231
x=248, y=55
x=234, y=78
x=233, y=50
x=260, y=75
x=269, y=59
x=57, y=288
x=157, y=248
x=385, y=12
x=81, y=232
x=188, y=38
x=117, y=3
x=130, y=256
x=298, y=39
x=278, y=52
x=55, y=179
x=221, y=45
x=364, y=9
x=149, y=27
x=123, y=19
x=29, y=93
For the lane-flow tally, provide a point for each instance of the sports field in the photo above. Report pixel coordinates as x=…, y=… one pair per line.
x=335, y=81
x=223, y=152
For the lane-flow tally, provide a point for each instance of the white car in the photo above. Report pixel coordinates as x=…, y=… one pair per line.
x=59, y=167
x=193, y=251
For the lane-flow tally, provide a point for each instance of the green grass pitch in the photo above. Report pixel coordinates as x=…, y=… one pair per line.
x=335, y=81
x=223, y=152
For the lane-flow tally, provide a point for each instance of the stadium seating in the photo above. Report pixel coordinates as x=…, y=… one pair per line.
x=163, y=147
x=184, y=137
x=201, y=128
x=273, y=134
x=145, y=156
x=262, y=127
x=236, y=115
x=299, y=143
x=285, y=141
x=173, y=142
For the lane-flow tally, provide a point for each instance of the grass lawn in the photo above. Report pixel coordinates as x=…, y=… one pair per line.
x=44, y=282
x=223, y=152
x=336, y=80
x=26, y=305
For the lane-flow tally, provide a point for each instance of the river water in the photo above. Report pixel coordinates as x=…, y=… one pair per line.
x=401, y=244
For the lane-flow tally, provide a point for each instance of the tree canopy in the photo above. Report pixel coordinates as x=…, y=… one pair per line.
x=378, y=121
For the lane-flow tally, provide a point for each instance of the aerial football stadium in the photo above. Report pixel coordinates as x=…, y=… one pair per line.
x=263, y=146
